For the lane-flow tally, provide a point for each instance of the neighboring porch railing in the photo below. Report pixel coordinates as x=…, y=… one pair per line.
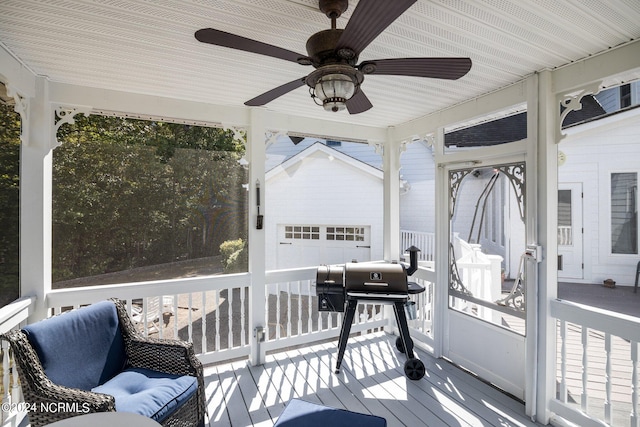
x=426, y=242
x=607, y=387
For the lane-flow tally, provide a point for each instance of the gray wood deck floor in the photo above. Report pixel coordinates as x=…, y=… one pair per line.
x=371, y=381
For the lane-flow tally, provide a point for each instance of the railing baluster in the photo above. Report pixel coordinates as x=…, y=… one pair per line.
x=217, y=303
x=607, y=378
x=174, y=310
x=267, y=311
x=16, y=391
x=190, y=317
x=277, y=322
x=310, y=303
x=288, y=309
x=299, y=307
x=242, y=317
x=585, y=365
x=204, y=322
x=6, y=396
x=230, y=317
x=563, y=361
x=634, y=384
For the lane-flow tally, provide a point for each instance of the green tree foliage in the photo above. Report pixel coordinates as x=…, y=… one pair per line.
x=10, y=204
x=133, y=193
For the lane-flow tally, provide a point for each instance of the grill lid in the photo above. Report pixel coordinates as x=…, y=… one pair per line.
x=375, y=278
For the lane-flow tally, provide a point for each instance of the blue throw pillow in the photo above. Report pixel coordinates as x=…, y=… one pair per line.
x=302, y=413
x=82, y=348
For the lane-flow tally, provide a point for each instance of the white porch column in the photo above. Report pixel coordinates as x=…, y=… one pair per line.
x=391, y=195
x=256, y=155
x=35, y=200
x=547, y=209
x=440, y=324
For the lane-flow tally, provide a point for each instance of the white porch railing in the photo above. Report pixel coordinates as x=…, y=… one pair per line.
x=607, y=389
x=426, y=242
x=12, y=316
x=212, y=312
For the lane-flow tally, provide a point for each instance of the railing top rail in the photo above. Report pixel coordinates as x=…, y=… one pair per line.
x=621, y=325
x=14, y=313
x=11, y=309
x=88, y=295
x=303, y=273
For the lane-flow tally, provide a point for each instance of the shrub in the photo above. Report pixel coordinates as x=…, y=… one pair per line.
x=234, y=256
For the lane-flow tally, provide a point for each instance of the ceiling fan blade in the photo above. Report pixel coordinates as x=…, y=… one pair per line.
x=368, y=20
x=275, y=93
x=222, y=38
x=437, y=68
x=358, y=103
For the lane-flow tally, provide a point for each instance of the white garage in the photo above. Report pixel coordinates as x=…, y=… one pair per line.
x=322, y=207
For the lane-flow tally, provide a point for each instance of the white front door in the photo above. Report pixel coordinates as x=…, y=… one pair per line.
x=486, y=314
x=570, y=231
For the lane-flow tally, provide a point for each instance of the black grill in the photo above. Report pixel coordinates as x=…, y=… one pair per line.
x=341, y=287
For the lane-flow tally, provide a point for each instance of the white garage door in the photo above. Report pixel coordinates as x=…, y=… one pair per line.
x=311, y=245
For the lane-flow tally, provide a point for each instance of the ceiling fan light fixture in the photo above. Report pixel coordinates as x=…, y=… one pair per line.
x=333, y=85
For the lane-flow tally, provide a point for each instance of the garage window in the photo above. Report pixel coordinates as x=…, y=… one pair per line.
x=355, y=234
x=304, y=232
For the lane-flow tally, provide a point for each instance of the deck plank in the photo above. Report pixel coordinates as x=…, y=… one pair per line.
x=371, y=381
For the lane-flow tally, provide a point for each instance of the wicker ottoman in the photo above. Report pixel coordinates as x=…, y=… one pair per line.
x=299, y=413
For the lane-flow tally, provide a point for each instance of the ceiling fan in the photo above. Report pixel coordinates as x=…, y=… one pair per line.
x=335, y=82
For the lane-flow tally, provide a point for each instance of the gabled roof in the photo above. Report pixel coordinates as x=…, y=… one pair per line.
x=330, y=153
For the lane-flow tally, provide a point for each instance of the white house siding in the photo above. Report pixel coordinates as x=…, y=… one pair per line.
x=417, y=211
x=593, y=151
x=322, y=187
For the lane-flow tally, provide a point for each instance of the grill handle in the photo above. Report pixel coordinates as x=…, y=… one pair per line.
x=376, y=284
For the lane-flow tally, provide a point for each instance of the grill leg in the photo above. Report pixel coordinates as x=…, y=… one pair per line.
x=403, y=326
x=414, y=369
x=346, y=328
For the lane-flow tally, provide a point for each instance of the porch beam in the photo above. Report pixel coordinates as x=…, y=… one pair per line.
x=15, y=74
x=613, y=67
x=474, y=108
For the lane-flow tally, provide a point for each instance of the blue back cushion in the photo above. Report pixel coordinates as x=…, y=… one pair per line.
x=82, y=348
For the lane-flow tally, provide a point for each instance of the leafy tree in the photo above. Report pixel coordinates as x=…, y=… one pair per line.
x=10, y=204
x=133, y=193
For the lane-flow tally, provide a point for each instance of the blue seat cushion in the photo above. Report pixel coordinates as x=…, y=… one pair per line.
x=152, y=394
x=301, y=413
x=81, y=348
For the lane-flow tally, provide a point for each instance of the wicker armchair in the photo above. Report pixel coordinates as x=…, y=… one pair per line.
x=94, y=360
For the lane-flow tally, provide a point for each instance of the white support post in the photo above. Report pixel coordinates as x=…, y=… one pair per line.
x=440, y=325
x=35, y=200
x=391, y=209
x=256, y=155
x=546, y=182
x=391, y=195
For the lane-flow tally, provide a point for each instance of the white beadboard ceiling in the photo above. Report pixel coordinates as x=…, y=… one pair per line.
x=148, y=46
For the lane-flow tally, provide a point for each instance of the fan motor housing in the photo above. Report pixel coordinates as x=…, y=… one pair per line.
x=321, y=48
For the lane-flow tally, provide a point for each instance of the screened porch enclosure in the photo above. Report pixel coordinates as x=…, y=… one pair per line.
x=208, y=211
